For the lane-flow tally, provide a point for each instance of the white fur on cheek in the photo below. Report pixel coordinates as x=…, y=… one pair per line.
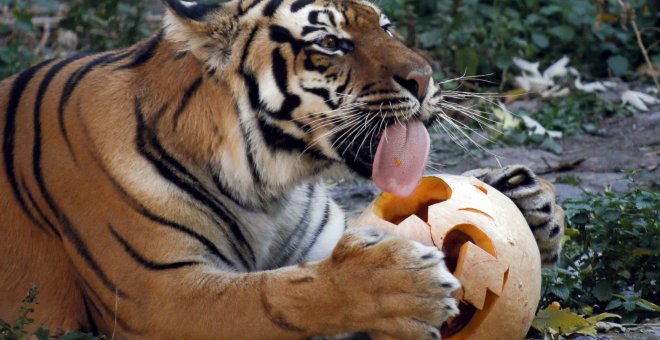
x=269, y=92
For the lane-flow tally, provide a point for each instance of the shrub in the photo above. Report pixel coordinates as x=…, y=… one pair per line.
x=105, y=25
x=611, y=260
x=482, y=36
x=18, y=41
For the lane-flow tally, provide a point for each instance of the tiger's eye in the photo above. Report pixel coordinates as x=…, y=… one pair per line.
x=329, y=42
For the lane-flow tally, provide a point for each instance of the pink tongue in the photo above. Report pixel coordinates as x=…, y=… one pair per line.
x=401, y=158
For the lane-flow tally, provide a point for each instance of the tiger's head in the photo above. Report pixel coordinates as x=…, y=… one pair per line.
x=317, y=82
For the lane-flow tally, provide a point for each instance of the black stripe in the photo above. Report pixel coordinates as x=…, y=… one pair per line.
x=546, y=208
x=73, y=82
x=292, y=242
x=541, y=225
x=190, y=91
x=313, y=17
x=323, y=93
x=253, y=94
x=15, y=96
x=249, y=154
x=232, y=196
x=145, y=52
x=110, y=312
x=242, y=11
x=311, y=29
x=342, y=88
x=283, y=36
x=300, y=4
x=388, y=101
x=175, y=172
x=554, y=231
x=368, y=86
x=278, y=140
x=41, y=93
x=194, y=12
x=148, y=264
x=502, y=183
x=271, y=7
x=319, y=230
x=331, y=16
x=309, y=62
x=281, y=75
x=94, y=329
x=40, y=212
x=142, y=210
x=250, y=80
x=65, y=223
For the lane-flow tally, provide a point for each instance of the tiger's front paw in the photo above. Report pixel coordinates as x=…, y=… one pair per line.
x=535, y=197
x=395, y=287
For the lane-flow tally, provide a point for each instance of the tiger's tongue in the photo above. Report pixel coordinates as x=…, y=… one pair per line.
x=401, y=158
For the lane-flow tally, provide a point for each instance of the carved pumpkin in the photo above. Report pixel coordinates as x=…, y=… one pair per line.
x=487, y=244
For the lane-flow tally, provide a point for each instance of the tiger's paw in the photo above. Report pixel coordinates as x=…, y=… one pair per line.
x=397, y=288
x=535, y=197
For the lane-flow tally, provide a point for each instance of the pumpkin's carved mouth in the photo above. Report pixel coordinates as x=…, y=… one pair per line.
x=457, y=244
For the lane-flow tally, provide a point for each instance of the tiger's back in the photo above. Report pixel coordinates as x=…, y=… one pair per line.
x=65, y=121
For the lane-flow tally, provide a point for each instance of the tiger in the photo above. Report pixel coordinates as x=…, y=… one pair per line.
x=173, y=189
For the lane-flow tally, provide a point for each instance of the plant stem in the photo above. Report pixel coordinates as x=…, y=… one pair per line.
x=640, y=42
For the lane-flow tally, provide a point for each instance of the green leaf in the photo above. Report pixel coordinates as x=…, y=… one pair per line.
x=563, y=33
x=619, y=65
x=78, y=336
x=467, y=61
x=602, y=316
x=602, y=290
x=540, y=40
x=629, y=305
x=561, y=292
x=648, y=305
x=42, y=334
x=562, y=322
x=503, y=60
x=552, y=145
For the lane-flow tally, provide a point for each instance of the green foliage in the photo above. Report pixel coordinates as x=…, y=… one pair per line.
x=99, y=24
x=18, y=40
x=577, y=113
x=494, y=31
x=611, y=260
x=18, y=329
x=105, y=25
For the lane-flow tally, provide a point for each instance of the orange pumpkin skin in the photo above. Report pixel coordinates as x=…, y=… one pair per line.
x=488, y=246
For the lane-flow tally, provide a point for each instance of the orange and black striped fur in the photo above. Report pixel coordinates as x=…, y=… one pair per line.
x=169, y=190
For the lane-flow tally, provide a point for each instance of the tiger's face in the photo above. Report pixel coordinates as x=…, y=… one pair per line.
x=330, y=76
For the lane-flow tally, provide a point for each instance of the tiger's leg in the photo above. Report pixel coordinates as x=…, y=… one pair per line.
x=535, y=197
x=372, y=282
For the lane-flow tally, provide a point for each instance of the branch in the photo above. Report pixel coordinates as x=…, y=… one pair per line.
x=631, y=12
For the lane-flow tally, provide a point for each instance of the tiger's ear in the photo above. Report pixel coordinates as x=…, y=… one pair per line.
x=207, y=30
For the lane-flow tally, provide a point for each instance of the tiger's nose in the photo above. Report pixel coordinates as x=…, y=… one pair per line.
x=416, y=82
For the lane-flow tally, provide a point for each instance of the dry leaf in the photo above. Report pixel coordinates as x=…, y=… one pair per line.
x=638, y=99
x=557, y=321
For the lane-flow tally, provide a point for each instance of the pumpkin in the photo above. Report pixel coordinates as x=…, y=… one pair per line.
x=488, y=246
